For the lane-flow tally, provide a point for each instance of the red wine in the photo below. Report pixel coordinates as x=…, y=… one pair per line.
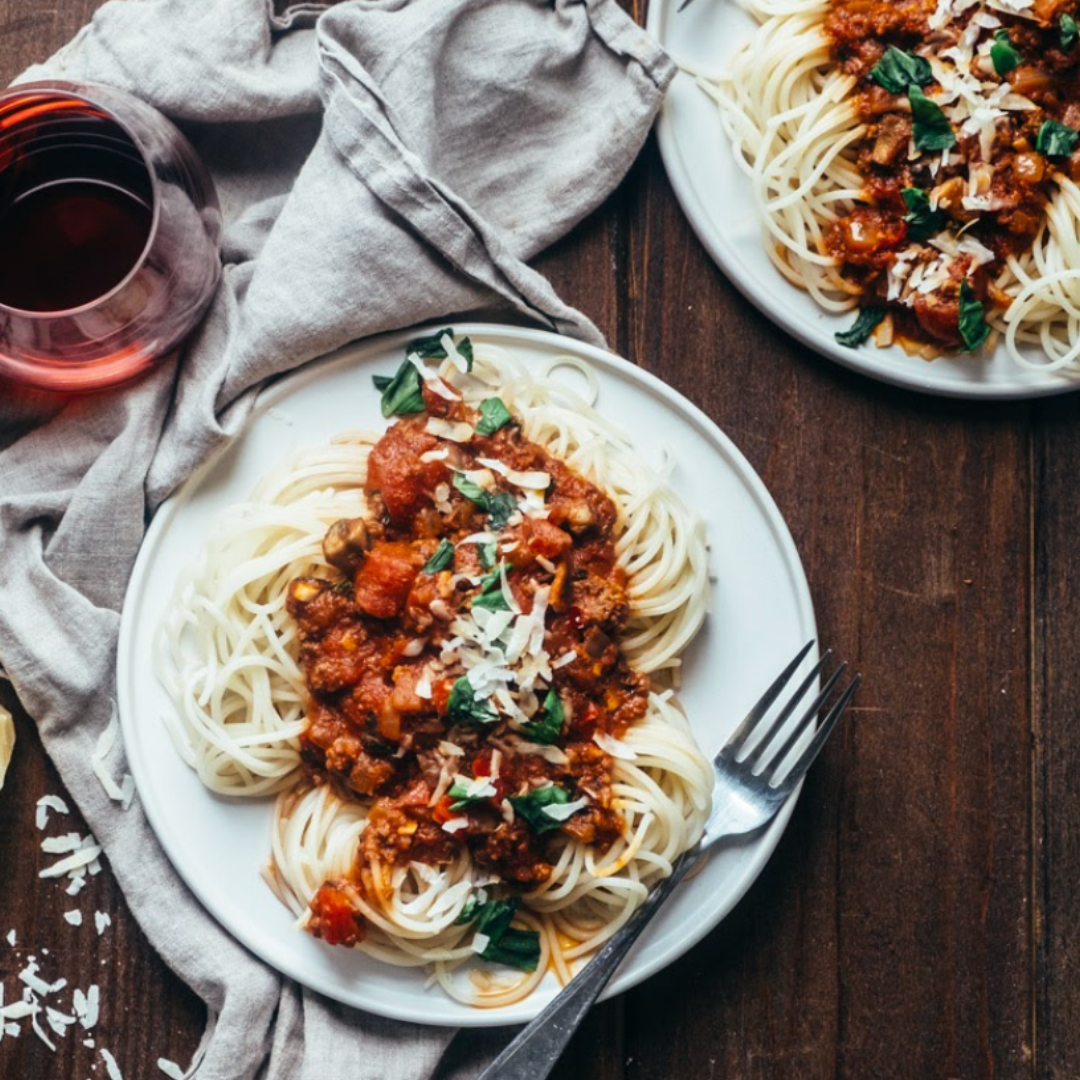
x=68, y=243
x=109, y=229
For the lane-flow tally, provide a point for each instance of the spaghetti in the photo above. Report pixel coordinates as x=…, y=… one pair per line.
x=918, y=159
x=503, y=772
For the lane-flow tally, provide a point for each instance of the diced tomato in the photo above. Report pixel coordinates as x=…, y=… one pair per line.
x=385, y=579
x=442, y=812
x=544, y=539
x=334, y=919
x=585, y=723
x=481, y=765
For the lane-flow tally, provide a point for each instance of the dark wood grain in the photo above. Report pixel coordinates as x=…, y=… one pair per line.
x=919, y=920
x=1056, y=716
x=890, y=937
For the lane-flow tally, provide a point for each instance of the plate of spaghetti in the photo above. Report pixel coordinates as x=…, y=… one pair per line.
x=419, y=679
x=893, y=183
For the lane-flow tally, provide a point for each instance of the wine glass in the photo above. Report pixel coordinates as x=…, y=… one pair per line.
x=109, y=236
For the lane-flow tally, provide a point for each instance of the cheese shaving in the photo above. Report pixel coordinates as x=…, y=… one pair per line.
x=610, y=745
x=110, y=1065
x=534, y=480
x=84, y=857
x=47, y=803
x=454, y=430
x=563, y=811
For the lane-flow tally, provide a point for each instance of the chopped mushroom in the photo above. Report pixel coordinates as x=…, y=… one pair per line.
x=345, y=544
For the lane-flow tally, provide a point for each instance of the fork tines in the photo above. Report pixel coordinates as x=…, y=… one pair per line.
x=765, y=741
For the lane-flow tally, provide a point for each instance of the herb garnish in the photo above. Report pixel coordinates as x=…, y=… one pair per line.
x=491, y=595
x=487, y=554
x=897, y=70
x=930, y=126
x=505, y=945
x=499, y=505
x=493, y=415
x=1070, y=32
x=472, y=491
x=1056, y=139
x=463, y=707
x=862, y=328
x=973, y=328
x=460, y=793
x=443, y=557
x=548, y=727
x=922, y=222
x=1003, y=53
x=531, y=807
x=431, y=347
x=402, y=393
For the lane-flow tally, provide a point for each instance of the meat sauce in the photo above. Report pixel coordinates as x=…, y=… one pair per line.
x=379, y=652
x=992, y=187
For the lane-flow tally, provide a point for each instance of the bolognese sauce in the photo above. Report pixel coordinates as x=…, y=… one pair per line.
x=971, y=110
x=464, y=666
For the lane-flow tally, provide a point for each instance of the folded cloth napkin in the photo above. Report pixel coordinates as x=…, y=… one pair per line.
x=380, y=163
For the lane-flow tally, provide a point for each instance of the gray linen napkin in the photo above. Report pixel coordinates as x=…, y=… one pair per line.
x=380, y=163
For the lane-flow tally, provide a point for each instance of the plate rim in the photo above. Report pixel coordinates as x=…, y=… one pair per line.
x=356, y=353
x=725, y=255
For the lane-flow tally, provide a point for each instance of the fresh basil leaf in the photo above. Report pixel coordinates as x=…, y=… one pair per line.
x=494, y=917
x=549, y=726
x=403, y=394
x=490, y=595
x=431, y=347
x=1055, y=139
x=973, y=328
x=463, y=707
x=493, y=415
x=473, y=492
x=500, y=506
x=471, y=908
x=922, y=222
x=1003, y=53
x=531, y=807
x=515, y=948
x=463, y=799
x=1070, y=32
x=443, y=557
x=897, y=70
x=487, y=554
x=862, y=328
x=930, y=126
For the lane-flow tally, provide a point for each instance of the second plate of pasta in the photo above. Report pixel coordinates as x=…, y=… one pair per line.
x=718, y=197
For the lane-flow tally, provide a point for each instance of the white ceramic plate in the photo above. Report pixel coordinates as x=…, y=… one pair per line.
x=761, y=613
x=716, y=197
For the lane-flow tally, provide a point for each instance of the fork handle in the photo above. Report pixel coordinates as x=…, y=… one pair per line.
x=533, y=1053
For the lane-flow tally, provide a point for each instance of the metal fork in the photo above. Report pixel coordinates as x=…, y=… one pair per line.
x=753, y=780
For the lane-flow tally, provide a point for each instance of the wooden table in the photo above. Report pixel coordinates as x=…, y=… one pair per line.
x=919, y=920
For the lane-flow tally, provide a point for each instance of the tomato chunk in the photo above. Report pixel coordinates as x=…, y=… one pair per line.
x=334, y=919
x=385, y=579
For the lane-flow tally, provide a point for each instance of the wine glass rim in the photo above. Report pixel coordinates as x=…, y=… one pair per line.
x=84, y=92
